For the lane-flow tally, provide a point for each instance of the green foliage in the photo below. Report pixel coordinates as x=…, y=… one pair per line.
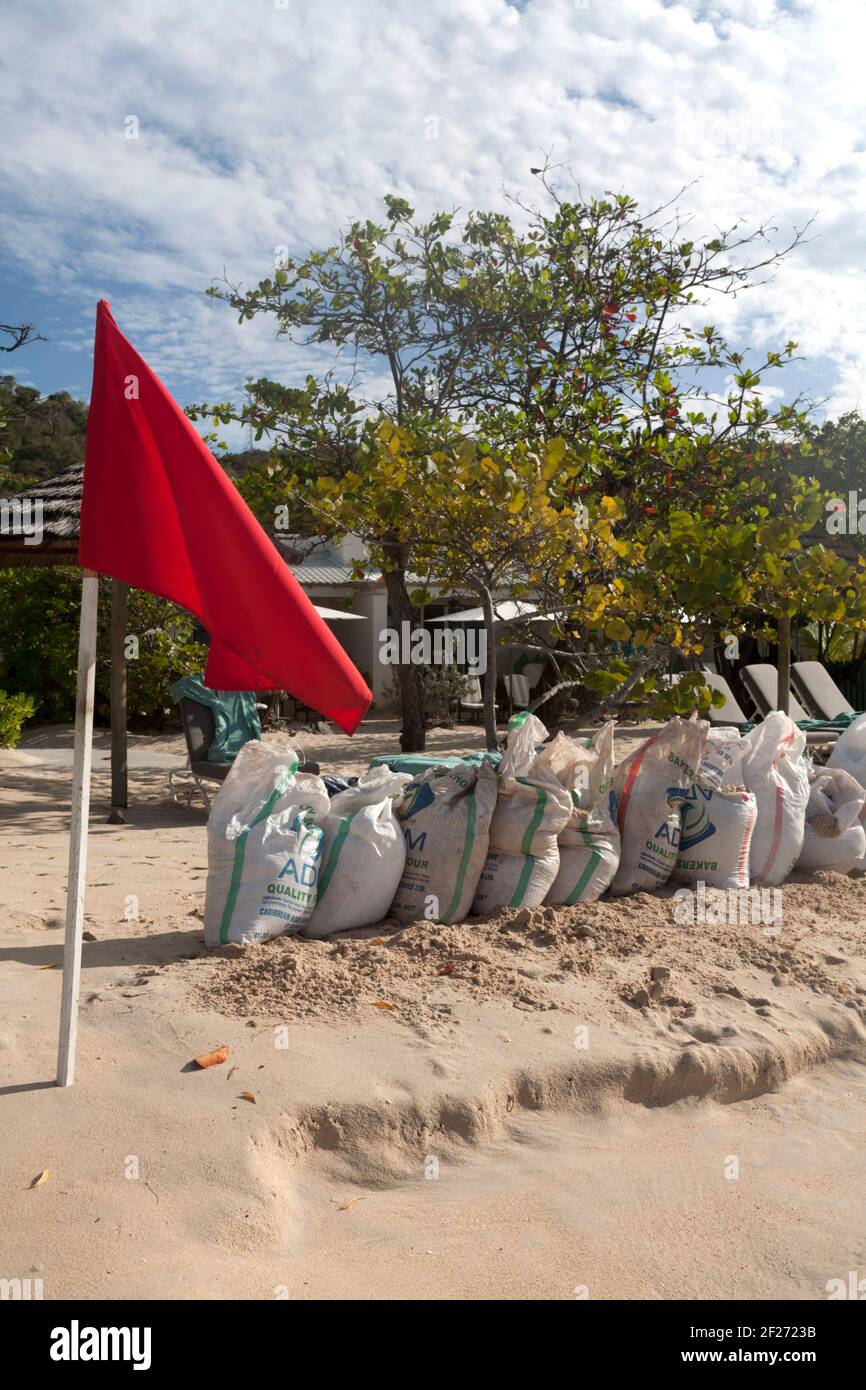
x=39, y=435
x=14, y=709
x=39, y=613
x=542, y=371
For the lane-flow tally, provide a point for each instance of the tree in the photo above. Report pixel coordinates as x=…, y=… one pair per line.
x=575, y=321
x=42, y=435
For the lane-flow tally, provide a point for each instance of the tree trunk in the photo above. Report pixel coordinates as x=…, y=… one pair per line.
x=490, y=675
x=784, y=665
x=412, y=737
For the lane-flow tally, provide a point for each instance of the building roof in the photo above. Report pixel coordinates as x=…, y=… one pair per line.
x=329, y=574
x=61, y=510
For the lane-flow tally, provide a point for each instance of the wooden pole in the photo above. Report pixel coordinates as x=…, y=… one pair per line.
x=784, y=664
x=78, y=829
x=119, y=775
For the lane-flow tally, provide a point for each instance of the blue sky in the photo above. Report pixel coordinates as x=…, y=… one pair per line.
x=264, y=123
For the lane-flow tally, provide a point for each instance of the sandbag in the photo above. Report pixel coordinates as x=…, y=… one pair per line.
x=775, y=769
x=363, y=857
x=722, y=759
x=445, y=816
x=716, y=828
x=834, y=837
x=531, y=809
x=717, y=817
x=589, y=844
x=646, y=787
x=849, y=751
x=264, y=848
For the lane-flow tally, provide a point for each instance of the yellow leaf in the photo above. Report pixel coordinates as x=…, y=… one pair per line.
x=38, y=1181
x=381, y=1004
x=517, y=502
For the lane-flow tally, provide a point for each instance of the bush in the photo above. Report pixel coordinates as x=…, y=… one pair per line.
x=14, y=709
x=39, y=613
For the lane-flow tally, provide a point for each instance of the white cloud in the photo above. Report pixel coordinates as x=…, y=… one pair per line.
x=262, y=126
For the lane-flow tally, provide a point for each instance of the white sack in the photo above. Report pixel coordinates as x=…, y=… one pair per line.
x=589, y=844
x=646, y=787
x=716, y=829
x=363, y=857
x=264, y=847
x=445, y=817
x=849, y=751
x=722, y=760
x=531, y=809
x=775, y=769
x=834, y=836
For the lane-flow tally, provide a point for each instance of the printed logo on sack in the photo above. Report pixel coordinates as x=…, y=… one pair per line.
x=77, y=1343
x=416, y=799
x=696, y=823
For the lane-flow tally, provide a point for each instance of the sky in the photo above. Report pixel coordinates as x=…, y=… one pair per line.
x=268, y=124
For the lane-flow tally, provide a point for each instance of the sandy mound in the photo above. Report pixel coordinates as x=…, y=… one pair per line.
x=632, y=948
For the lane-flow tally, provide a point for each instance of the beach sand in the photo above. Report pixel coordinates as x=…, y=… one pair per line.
x=519, y=1123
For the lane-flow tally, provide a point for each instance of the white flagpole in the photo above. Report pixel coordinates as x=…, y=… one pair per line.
x=76, y=882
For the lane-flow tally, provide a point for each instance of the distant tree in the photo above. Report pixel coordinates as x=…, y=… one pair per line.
x=42, y=435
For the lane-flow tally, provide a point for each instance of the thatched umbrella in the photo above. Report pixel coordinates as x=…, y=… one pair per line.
x=58, y=545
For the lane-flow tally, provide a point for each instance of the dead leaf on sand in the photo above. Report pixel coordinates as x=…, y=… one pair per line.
x=351, y=1202
x=381, y=1004
x=213, y=1059
x=38, y=1181
x=248, y=1095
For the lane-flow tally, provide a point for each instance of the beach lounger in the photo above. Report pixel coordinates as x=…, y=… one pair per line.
x=199, y=727
x=471, y=700
x=729, y=714
x=517, y=690
x=762, y=683
x=818, y=690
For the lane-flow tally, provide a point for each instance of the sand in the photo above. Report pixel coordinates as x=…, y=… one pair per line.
x=591, y=1099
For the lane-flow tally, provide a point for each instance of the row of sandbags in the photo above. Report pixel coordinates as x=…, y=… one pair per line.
x=557, y=823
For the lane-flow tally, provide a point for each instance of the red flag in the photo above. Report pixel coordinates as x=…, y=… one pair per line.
x=159, y=513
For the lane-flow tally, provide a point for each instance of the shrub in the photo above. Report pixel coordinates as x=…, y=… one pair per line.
x=39, y=613
x=14, y=709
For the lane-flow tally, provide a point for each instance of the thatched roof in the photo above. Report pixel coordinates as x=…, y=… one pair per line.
x=61, y=511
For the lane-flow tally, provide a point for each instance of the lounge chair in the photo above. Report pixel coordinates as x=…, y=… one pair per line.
x=818, y=690
x=762, y=683
x=517, y=690
x=729, y=714
x=199, y=727
x=471, y=699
